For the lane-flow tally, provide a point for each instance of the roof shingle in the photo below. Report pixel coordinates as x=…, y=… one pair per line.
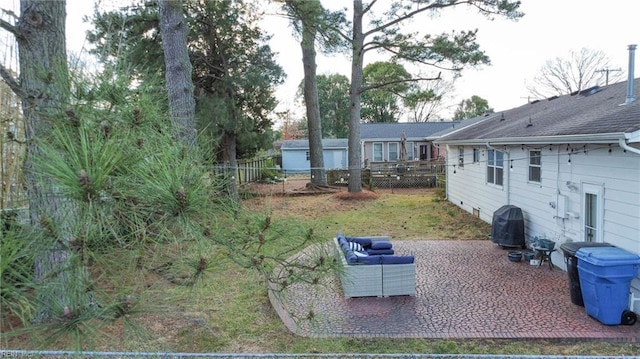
x=596, y=113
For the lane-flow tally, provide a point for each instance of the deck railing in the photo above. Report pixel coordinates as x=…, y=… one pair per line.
x=395, y=174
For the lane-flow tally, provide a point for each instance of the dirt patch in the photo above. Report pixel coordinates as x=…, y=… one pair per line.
x=300, y=185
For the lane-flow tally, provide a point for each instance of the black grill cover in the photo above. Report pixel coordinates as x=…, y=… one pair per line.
x=507, y=227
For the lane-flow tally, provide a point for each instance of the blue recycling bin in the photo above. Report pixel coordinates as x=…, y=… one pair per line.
x=605, y=278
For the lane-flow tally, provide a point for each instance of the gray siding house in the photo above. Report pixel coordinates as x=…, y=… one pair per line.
x=381, y=141
x=571, y=163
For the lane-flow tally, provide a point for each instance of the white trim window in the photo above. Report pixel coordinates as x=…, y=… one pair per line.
x=394, y=152
x=411, y=152
x=377, y=152
x=535, y=166
x=495, y=167
x=476, y=155
x=593, y=212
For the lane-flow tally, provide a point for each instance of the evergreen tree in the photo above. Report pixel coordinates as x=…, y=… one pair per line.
x=475, y=106
x=445, y=51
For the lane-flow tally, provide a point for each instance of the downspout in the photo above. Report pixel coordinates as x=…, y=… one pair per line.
x=507, y=182
x=446, y=173
x=625, y=146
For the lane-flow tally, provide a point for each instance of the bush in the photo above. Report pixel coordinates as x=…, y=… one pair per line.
x=270, y=172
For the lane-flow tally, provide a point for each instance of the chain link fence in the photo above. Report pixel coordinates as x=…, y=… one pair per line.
x=119, y=355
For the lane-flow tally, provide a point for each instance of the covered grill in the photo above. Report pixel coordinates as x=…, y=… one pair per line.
x=507, y=227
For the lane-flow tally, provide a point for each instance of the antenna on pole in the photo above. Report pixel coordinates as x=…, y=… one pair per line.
x=606, y=71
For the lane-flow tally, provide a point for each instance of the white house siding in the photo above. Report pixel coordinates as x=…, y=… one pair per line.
x=462, y=186
x=616, y=172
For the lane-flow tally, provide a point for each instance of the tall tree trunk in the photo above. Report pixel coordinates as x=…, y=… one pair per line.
x=229, y=156
x=44, y=82
x=355, y=166
x=311, y=101
x=178, y=71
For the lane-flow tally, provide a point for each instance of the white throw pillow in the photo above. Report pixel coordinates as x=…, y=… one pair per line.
x=354, y=246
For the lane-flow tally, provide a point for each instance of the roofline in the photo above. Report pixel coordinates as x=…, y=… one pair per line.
x=543, y=140
x=458, y=129
x=391, y=139
x=633, y=137
x=307, y=148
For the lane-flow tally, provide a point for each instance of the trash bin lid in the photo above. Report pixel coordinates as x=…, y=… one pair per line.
x=607, y=256
x=570, y=248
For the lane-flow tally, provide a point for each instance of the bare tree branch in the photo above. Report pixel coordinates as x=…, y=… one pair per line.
x=374, y=45
x=366, y=9
x=394, y=82
x=12, y=29
x=410, y=14
x=11, y=82
x=560, y=76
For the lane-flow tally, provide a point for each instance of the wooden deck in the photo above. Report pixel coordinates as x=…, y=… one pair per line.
x=395, y=175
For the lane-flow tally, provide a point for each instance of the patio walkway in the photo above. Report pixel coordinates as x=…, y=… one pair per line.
x=465, y=289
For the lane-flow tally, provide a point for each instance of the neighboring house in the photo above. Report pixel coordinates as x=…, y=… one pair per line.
x=381, y=141
x=295, y=155
x=571, y=163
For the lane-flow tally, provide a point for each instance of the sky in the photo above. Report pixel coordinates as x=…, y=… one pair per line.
x=517, y=49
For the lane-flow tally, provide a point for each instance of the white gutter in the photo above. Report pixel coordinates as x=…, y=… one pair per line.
x=625, y=146
x=545, y=140
x=488, y=144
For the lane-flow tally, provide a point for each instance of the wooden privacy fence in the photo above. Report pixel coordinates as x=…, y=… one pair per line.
x=395, y=174
x=248, y=171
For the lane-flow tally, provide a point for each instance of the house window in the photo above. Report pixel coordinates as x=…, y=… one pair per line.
x=411, y=154
x=461, y=156
x=535, y=166
x=308, y=155
x=495, y=167
x=593, y=212
x=476, y=155
x=393, y=151
x=377, y=152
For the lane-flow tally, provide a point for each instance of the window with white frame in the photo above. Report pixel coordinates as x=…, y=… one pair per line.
x=476, y=155
x=461, y=156
x=411, y=154
x=377, y=152
x=393, y=151
x=495, y=167
x=535, y=166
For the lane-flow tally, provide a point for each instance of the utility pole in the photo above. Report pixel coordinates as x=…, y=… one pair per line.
x=606, y=71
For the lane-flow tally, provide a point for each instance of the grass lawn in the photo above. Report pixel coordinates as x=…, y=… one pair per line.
x=226, y=308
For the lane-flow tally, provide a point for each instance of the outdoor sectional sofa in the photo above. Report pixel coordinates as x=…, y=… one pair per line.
x=374, y=270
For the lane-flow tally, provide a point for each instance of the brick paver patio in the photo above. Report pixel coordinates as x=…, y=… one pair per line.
x=465, y=289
